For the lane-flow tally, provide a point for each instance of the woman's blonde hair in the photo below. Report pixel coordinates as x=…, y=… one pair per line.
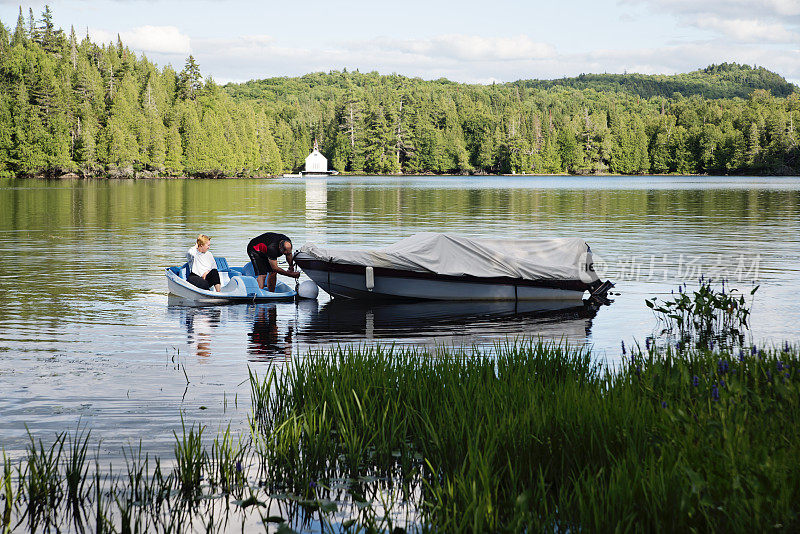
x=202, y=239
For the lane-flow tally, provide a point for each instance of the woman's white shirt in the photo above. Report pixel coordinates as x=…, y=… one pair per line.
x=201, y=262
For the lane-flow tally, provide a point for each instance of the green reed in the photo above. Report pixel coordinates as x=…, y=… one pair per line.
x=190, y=460
x=542, y=436
x=530, y=436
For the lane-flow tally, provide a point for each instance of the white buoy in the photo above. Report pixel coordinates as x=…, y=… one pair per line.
x=308, y=290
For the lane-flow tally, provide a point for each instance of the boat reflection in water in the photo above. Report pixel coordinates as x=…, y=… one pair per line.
x=276, y=331
x=440, y=322
x=266, y=340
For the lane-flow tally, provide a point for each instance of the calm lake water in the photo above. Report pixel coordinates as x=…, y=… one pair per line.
x=88, y=333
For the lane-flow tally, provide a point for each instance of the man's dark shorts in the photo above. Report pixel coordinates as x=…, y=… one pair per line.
x=260, y=261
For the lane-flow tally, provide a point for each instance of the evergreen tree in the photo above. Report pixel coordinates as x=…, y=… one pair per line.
x=568, y=150
x=190, y=80
x=6, y=142
x=70, y=105
x=20, y=35
x=173, y=158
x=86, y=145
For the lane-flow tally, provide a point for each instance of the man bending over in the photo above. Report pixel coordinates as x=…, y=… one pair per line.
x=264, y=251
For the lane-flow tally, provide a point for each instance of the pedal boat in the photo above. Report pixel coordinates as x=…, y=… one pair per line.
x=238, y=285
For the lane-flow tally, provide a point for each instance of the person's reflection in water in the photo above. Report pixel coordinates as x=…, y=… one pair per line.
x=265, y=340
x=200, y=323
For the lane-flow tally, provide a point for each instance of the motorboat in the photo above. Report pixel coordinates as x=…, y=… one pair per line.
x=436, y=266
x=238, y=285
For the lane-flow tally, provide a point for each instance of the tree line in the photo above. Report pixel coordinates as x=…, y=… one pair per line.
x=69, y=105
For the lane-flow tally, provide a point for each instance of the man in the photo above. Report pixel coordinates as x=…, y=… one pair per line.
x=264, y=251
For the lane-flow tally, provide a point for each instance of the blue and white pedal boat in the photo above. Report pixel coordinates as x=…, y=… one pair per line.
x=238, y=285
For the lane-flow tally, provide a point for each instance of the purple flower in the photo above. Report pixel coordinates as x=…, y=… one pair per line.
x=741, y=355
x=695, y=381
x=754, y=350
x=238, y=466
x=722, y=383
x=663, y=404
x=623, y=347
x=780, y=366
x=787, y=375
x=714, y=392
x=722, y=367
x=647, y=342
x=312, y=484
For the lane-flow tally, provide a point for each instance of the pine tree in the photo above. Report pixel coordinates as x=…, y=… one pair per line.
x=33, y=32
x=269, y=155
x=190, y=80
x=86, y=144
x=191, y=141
x=6, y=144
x=46, y=33
x=551, y=161
x=173, y=158
x=28, y=136
x=20, y=35
x=568, y=150
x=4, y=40
x=73, y=48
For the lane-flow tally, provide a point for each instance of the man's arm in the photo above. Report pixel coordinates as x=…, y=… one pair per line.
x=279, y=270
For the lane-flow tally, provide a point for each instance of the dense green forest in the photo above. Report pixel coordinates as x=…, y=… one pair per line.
x=69, y=105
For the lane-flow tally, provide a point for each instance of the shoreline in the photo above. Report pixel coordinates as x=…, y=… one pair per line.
x=73, y=176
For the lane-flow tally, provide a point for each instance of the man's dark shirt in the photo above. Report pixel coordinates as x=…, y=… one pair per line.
x=269, y=244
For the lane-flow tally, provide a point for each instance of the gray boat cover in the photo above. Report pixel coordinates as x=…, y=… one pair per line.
x=528, y=259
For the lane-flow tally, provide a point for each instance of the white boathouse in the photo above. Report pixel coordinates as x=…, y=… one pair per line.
x=317, y=164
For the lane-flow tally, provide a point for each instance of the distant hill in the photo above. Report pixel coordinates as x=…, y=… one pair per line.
x=726, y=80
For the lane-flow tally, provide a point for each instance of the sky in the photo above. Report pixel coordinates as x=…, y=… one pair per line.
x=468, y=41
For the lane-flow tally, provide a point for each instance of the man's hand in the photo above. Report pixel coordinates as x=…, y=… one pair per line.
x=294, y=274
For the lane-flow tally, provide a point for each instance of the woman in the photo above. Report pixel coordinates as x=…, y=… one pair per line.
x=202, y=265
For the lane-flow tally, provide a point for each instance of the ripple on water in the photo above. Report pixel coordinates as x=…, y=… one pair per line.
x=87, y=333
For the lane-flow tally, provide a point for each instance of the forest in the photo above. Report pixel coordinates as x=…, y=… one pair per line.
x=72, y=107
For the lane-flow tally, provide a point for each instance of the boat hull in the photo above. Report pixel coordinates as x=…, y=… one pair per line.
x=237, y=289
x=350, y=281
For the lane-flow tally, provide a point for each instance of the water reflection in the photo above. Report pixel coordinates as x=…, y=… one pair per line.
x=461, y=322
x=104, y=319
x=276, y=331
x=267, y=341
x=316, y=208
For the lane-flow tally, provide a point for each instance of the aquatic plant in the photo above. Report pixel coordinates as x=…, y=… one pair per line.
x=709, y=315
x=531, y=436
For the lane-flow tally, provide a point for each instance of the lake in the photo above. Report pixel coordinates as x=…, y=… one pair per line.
x=89, y=336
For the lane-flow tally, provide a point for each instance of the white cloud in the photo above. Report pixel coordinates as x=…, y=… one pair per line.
x=471, y=59
x=149, y=39
x=744, y=20
x=469, y=47
x=726, y=8
x=749, y=30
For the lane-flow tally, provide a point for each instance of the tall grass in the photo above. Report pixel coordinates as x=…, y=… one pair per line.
x=544, y=437
x=532, y=436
